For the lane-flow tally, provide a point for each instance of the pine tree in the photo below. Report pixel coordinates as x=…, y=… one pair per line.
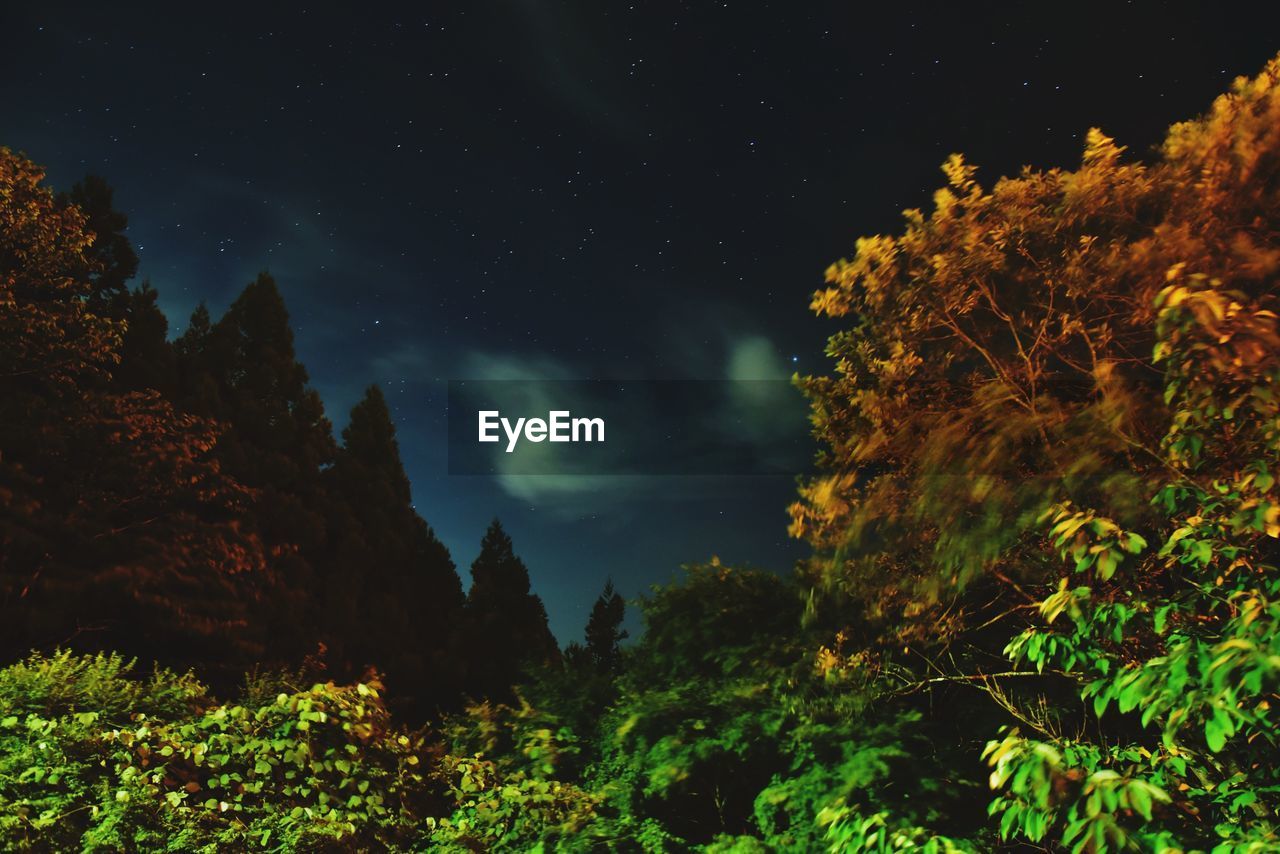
x=147, y=359
x=393, y=595
x=604, y=630
x=112, y=261
x=193, y=340
x=508, y=623
x=243, y=372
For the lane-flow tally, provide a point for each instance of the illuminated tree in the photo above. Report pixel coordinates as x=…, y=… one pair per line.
x=1089, y=355
x=118, y=526
x=49, y=337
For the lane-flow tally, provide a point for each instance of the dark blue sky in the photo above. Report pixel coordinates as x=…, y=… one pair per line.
x=569, y=190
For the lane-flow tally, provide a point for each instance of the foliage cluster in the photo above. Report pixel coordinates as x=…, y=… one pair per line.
x=1076, y=366
x=94, y=757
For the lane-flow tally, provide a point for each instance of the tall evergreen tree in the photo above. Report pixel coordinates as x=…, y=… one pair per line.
x=243, y=372
x=508, y=623
x=147, y=359
x=604, y=629
x=193, y=340
x=110, y=256
x=393, y=597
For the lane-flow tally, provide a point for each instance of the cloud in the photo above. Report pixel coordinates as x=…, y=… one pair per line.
x=763, y=405
x=753, y=357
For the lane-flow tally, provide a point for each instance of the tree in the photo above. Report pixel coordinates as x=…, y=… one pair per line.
x=604, y=630
x=110, y=254
x=188, y=502
x=1074, y=364
x=242, y=371
x=147, y=360
x=507, y=622
x=392, y=593
x=118, y=526
x=51, y=339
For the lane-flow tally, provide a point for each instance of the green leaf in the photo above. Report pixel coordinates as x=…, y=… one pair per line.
x=1139, y=800
x=1214, y=735
x=1107, y=563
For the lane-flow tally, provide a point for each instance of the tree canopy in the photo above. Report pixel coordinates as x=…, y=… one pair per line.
x=187, y=502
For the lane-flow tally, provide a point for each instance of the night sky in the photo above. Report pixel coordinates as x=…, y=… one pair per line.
x=553, y=190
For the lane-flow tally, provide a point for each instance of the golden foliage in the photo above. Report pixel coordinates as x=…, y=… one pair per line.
x=998, y=358
x=47, y=335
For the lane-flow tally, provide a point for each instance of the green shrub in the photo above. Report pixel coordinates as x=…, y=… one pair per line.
x=94, y=757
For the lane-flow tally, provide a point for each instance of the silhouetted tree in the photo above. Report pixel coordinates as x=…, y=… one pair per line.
x=604, y=629
x=147, y=360
x=193, y=340
x=391, y=587
x=254, y=382
x=508, y=623
x=110, y=257
x=243, y=372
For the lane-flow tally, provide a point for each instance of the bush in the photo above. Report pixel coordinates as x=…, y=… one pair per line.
x=95, y=757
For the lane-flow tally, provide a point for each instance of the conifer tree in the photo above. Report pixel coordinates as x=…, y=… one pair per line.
x=391, y=589
x=145, y=357
x=243, y=372
x=193, y=340
x=508, y=622
x=110, y=256
x=604, y=630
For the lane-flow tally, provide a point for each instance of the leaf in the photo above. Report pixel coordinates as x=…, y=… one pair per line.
x=1107, y=563
x=1214, y=735
x=1139, y=800
x=1161, y=618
